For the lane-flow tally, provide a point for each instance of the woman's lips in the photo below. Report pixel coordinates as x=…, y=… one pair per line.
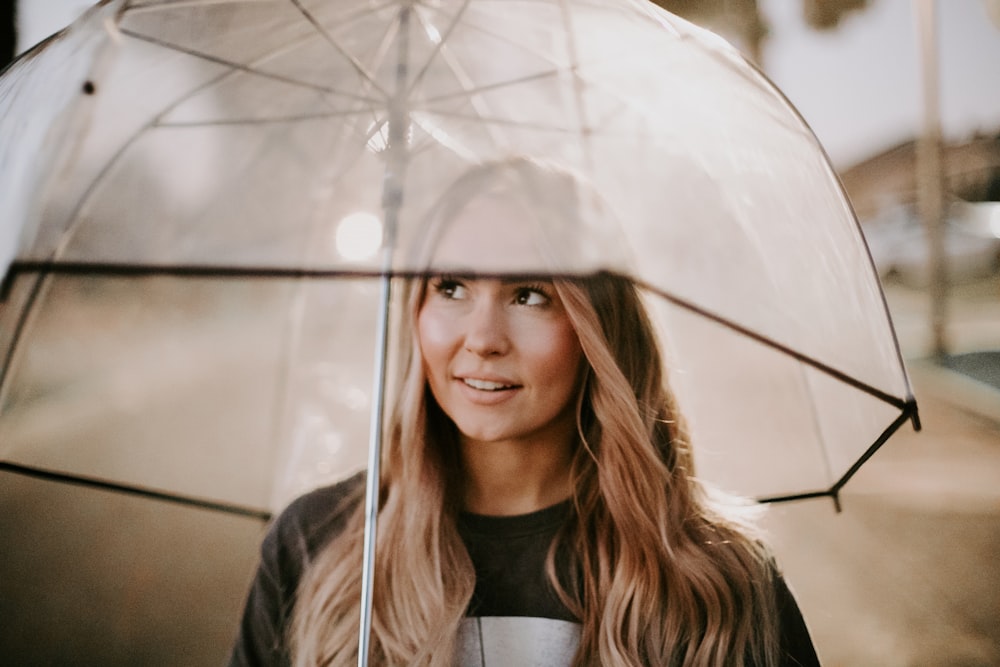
x=487, y=391
x=486, y=385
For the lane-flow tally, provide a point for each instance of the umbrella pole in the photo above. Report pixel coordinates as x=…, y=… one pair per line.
x=392, y=200
x=374, y=461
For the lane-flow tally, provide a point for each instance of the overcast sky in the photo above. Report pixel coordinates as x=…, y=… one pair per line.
x=859, y=86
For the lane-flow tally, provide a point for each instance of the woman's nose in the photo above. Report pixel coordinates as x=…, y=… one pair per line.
x=486, y=329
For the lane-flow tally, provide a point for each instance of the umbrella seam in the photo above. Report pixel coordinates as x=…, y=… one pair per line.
x=192, y=270
x=116, y=487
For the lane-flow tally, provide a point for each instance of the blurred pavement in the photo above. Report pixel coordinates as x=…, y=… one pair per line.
x=908, y=573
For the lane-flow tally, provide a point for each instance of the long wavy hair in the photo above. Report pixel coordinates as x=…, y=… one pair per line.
x=662, y=569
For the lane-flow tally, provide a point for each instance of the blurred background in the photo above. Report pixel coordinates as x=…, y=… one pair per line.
x=903, y=94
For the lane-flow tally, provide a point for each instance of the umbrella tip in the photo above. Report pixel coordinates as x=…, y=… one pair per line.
x=835, y=496
x=915, y=417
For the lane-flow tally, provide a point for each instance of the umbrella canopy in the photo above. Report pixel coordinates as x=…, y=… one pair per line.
x=196, y=194
x=203, y=200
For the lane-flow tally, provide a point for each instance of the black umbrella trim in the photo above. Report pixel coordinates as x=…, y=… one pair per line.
x=222, y=272
x=114, y=487
x=909, y=413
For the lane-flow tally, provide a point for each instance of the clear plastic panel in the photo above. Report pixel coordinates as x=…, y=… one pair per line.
x=223, y=391
x=770, y=426
x=38, y=95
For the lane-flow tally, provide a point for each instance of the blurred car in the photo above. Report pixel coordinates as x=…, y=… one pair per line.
x=899, y=245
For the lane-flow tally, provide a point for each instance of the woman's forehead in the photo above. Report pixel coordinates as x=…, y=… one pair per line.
x=491, y=234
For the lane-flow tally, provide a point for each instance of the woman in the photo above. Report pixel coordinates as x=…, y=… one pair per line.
x=538, y=499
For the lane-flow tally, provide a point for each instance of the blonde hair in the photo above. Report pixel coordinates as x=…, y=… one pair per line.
x=425, y=576
x=662, y=570
x=671, y=572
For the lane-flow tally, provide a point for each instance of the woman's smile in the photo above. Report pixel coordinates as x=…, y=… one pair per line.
x=487, y=385
x=486, y=392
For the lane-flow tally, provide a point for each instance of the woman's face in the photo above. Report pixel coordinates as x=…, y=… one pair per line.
x=501, y=358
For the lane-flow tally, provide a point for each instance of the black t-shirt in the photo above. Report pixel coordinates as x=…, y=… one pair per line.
x=514, y=617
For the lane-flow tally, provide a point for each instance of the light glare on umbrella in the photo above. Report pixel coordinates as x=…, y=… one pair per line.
x=358, y=236
x=432, y=33
x=378, y=136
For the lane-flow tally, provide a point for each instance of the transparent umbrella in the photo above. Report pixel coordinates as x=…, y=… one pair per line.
x=206, y=203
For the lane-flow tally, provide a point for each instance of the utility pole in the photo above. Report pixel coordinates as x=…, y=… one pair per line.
x=930, y=179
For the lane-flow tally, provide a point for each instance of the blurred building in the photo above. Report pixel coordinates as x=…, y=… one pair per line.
x=743, y=23
x=971, y=171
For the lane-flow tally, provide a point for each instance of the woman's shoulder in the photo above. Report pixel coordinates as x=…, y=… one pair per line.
x=292, y=539
x=796, y=642
x=323, y=500
x=314, y=518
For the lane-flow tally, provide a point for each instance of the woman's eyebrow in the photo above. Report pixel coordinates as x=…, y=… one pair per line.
x=520, y=280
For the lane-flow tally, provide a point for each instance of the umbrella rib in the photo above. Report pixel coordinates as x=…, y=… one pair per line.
x=909, y=412
x=134, y=490
x=817, y=424
x=367, y=77
x=769, y=342
x=493, y=86
x=499, y=121
x=795, y=496
x=276, y=120
x=156, y=5
x=249, y=68
x=178, y=270
x=355, y=63
x=581, y=111
x=240, y=67
x=503, y=37
x=473, y=92
x=291, y=337
x=232, y=69
x=463, y=78
x=67, y=233
x=438, y=46
x=479, y=105
x=22, y=321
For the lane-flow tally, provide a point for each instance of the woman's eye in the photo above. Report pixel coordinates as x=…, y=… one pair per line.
x=450, y=289
x=531, y=296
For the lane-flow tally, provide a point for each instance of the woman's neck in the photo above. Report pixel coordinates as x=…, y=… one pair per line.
x=510, y=478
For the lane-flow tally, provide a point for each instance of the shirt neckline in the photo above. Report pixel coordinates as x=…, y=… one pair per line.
x=531, y=523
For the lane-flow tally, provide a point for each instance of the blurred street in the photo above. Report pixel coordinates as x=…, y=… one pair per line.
x=907, y=574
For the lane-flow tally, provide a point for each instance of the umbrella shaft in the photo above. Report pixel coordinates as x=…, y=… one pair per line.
x=392, y=199
x=374, y=460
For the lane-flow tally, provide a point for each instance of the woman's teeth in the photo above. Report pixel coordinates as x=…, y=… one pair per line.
x=485, y=385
